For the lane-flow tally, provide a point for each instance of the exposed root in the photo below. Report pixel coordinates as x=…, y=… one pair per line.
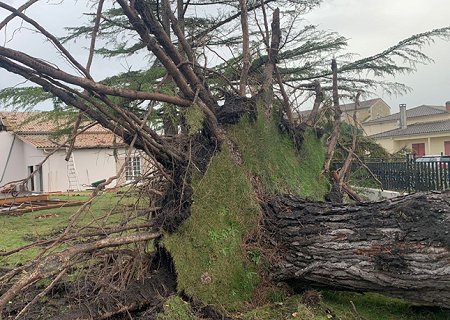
x=177, y=196
x=204, y=311
x=110, y=285
x=235, y=107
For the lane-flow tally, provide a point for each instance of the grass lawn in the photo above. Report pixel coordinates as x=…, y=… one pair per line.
x=21, y=230
x=346, y=306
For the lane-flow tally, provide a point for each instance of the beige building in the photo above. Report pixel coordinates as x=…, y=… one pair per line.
x=368, y=110
x=98, y=154
x=420, y=114
x=425, y=130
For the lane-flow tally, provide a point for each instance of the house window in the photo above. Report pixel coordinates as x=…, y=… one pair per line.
x=418, y=149
x=133, y=169
x=447, y=148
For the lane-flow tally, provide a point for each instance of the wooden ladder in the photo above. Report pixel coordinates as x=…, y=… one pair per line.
x=72, y=174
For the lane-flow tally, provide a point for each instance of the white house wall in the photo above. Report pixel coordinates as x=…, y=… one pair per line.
x=94, y=164
x=21, y=155
x=13, y=168
x=32, y=157
x=55, y=172
x=91, y=164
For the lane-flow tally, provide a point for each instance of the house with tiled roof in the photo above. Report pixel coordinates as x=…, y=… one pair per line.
x=367, y=110
x=27, y=138
x=425, y=130
x=423, y=113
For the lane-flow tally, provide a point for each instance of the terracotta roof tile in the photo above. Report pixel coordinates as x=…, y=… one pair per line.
x=37, y=131
x=420, y=111
x=347, y=107
x=87, y=140
x=362, y=105
x=415, y=129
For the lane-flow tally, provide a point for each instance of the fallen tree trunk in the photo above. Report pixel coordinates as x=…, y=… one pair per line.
x=398, y=247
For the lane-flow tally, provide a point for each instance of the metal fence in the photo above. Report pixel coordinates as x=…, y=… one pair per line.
x=409, y=174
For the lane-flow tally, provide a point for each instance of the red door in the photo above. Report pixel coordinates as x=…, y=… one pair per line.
x=419, y=149
x=447, y=148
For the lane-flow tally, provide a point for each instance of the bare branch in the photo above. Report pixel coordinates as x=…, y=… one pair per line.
x=245, y=47
x=48, y=35
x=271, y=62
x=87, y=84
x=343, y=172
x=53, y=263
x=23, y=7
x=94, y=35
x=333, y=139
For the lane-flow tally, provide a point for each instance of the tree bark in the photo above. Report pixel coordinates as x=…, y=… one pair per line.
x=313, y=116
x=245, y=47
x=334, y=137
x=267, y=87
x=398, y=247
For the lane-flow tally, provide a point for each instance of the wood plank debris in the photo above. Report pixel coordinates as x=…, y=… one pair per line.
x=31, y=203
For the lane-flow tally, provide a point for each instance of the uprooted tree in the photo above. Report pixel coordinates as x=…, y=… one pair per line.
x=232, y=161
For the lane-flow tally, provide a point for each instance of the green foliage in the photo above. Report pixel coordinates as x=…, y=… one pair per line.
x=194, y=118
x=115, y=31
x=121, y=49
x=363, y=74
x=23, y=98
x=176, y=309
x=309, y=50
x=64, y=121
x=137, y=80
x=361, y=177
x=365, y=147
x=409, y=50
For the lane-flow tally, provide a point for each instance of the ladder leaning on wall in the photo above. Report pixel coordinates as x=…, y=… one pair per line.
x=72, y=174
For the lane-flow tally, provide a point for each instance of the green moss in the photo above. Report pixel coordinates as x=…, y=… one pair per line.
x=210, y=261
x=176, y=309
x=194, y=119
x=272, y=157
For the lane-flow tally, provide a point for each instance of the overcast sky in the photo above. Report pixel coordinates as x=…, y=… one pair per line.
x=374, y=25
x=370, y=25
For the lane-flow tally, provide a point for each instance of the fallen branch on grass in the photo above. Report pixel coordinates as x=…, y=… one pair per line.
x=53, y=263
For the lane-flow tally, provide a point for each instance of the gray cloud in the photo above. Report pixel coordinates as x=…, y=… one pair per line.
x=372, y=26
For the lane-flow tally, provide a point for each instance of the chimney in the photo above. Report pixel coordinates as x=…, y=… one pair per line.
x=447, y=106
x=402, y=116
